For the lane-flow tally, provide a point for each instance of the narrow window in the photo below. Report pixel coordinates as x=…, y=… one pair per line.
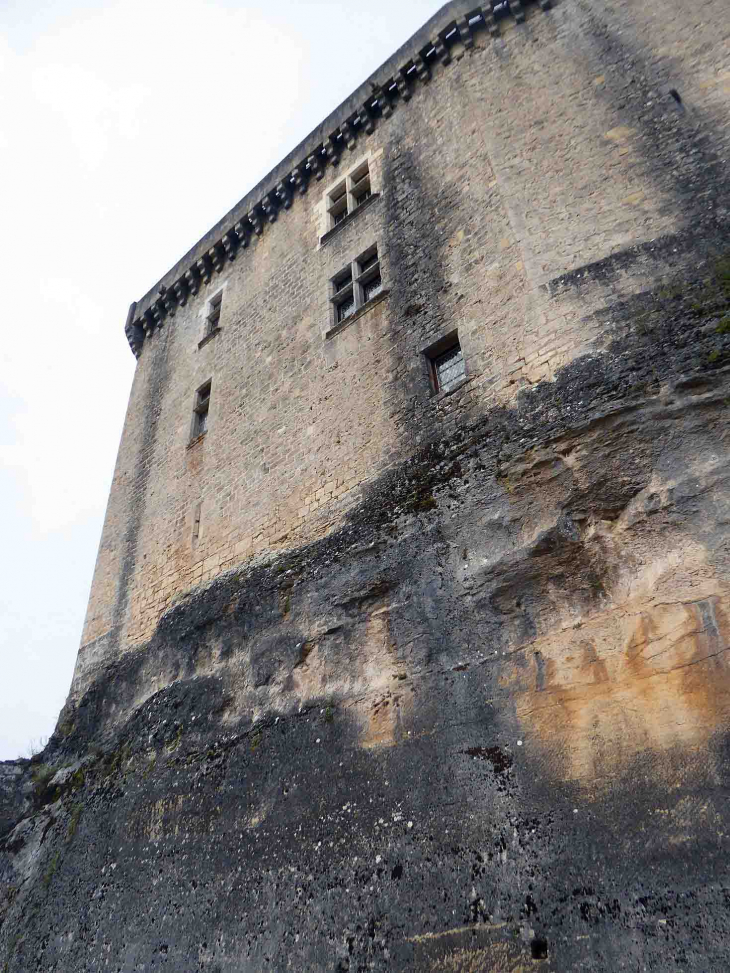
x=448, y=368
x=344, y=297
x=338, y=204
x=369, y=279
x=212, y=321
x=200, y=412
x=361, y=185
x=196, y=522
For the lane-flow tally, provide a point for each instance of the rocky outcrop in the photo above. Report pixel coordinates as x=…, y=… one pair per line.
x=484, y=726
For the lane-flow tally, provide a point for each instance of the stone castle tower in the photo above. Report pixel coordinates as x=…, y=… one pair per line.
x=407, y=641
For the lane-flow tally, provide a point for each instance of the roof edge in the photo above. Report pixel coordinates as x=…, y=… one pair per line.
x=392, y=82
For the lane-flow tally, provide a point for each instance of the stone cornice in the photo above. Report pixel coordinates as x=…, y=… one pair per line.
x=356, y=118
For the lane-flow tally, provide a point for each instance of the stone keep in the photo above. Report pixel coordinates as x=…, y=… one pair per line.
x=383, y=671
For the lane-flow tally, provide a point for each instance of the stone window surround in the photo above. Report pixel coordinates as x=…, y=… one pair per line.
x=355, y=288
x=350, y=185
x=211, y=313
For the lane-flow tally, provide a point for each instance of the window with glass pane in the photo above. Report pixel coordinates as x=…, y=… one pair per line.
x=346, y=308
x=449, y=368
x=372, y=288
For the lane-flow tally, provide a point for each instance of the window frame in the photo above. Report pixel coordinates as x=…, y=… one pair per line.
x=348, y=195
x=213, y=316
x=201, y=410
x=437, y=351
x=351, y=283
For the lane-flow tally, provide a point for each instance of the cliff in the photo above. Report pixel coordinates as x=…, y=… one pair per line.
x=483, y=726
x=471, y=712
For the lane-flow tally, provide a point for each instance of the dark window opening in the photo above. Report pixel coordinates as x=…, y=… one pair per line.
x=200, y=412
x=345, y=308
x=342, y=280
x=676, y=95
x=214, y=314
x=372, y=288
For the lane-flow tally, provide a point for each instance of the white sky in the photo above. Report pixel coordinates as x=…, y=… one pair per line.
x=128, y=129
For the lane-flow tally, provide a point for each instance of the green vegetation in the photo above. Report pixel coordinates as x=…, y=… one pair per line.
x=73, y=822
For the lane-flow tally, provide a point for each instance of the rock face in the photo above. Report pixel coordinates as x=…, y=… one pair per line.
x=476, y=720
x=482, y=727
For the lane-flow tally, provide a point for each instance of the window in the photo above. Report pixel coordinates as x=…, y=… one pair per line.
x=344, y=298
x=369, y=278
x=200, y=411
x=356, y=285
x=212, y=321
x=447, y=366
x=345, y=198
x=361, y=185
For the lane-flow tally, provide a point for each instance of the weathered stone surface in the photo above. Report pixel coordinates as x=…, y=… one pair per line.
x=442, y=684
x=486, y=718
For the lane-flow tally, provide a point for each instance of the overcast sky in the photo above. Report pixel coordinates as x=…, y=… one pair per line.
x=127, y=129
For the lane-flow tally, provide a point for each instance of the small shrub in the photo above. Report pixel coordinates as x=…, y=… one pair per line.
x=73, y=822
x=51, y=870
x=724, y=325
x=43, y=793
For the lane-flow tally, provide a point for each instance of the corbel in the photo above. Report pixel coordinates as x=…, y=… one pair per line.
x=442, y=51
x=299, y=175
x=168, y=301
x=204, y=267
x=254, y=217
x=422, y=69
x=148, y=321
x=283, y=191
x=268, y=205
x=217, y=257
x=385, y=106
x=331, y=150
x=366, y=120
x=230, y=244
x=546, y=4
x=490, y=20
x=158, y=312
x=518, y=11
x=348, y=135
x=192, y=279
x=403, y=88
x=181, y=291
x=315, y=164
x=242, y=229
x=135, y=337
x=465, y=35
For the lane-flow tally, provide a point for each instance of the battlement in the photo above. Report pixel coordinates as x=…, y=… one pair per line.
x=452, y=28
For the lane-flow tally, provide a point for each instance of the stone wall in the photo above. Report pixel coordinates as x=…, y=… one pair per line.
x=442, y=684
x=535, y=182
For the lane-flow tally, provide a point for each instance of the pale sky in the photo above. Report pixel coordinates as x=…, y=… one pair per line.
x=128, y=129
